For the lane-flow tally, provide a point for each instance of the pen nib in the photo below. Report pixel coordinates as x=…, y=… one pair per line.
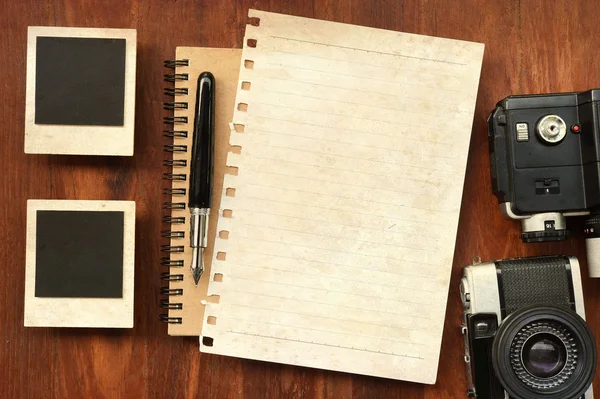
x=197, y=264
x=197, y=274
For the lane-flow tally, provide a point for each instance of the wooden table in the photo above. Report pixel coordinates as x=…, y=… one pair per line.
x=531, y=46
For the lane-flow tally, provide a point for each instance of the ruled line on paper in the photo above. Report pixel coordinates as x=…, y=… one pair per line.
x=351, y=226
x=326, y=281
x=338, y=114
x=401, y=96
x=327, y=276
x=343, y=170
x=357, y=200
x=328, y=331
x=363, y=77
x=361, y=104
x=393, y=125
x=335, y=250
x=449, y=144
x=300, y=232
x=320, y=139
x=435, y=197
x=370, y=51
x=295, y=313
x=390, y=243
x=347, y=265
x=336, y=149
x=308, y=196
x=352, y=212
x=317, y=343
x=411, y=311
x=337, y=305
x=348, y=157
x=341, y=182
x=365, y=63
x=305, y=287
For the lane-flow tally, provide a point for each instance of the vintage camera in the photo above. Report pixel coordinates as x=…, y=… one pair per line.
x=524, y=330
x=545, y=165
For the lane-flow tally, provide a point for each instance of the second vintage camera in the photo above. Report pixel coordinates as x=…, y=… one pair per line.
x=524, y=329
x=545, y=165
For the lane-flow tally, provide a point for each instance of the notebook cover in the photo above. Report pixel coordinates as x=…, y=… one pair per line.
x=224, y=64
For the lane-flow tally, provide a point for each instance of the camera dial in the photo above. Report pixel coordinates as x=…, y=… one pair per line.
x=552, y=129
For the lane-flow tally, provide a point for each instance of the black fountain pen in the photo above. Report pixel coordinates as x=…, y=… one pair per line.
x=201, y=179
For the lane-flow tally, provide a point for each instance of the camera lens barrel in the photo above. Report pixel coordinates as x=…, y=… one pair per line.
x=544, y=353
x=544, y=227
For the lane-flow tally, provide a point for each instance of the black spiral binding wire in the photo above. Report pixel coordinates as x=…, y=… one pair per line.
x=173, y=132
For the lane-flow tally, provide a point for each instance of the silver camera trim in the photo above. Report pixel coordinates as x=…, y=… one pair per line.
x=535, y=222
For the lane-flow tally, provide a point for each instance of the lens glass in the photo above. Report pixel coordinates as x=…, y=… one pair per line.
x=544, y=355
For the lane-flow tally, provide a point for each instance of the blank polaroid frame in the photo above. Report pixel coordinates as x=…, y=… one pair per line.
x=111, y=310
x=109, y=131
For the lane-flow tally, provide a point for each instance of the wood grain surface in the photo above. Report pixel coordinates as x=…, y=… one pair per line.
x=531, y=46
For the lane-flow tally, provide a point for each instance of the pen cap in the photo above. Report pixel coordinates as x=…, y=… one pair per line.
x=201, y=174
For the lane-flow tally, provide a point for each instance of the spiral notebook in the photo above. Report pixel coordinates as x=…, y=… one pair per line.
x=340, y=204
x=184, y=305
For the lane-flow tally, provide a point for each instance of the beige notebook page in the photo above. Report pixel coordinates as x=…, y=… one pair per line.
x=340, y=233
x=224, y=64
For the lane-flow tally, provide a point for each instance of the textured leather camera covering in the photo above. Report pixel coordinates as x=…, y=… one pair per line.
x=533, y=281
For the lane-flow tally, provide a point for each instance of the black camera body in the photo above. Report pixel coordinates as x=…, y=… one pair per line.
x=524, y=329
x=545, y=164
x=545, y=152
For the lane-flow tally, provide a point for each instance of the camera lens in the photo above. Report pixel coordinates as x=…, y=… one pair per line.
x=544, y=355
x=544, y=352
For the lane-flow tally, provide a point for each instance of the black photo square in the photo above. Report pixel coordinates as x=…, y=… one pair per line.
x=79, y=254
x=79, y=81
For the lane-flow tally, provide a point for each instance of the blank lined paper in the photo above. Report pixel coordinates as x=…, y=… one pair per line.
x=338, y=220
